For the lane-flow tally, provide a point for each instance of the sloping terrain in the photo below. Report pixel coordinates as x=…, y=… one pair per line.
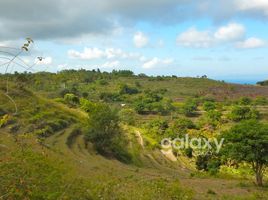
x=56, y=130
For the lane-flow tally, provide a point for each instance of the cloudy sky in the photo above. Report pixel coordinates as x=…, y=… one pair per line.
x=225, y=39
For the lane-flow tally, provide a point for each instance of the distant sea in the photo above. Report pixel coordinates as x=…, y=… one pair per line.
x=250, y=82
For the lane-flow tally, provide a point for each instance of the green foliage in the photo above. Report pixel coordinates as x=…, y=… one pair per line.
x=104, y=132
x=248, y=142
x=63, y=92
x=239, y=113
x=262, y=83
x=212, y=118
x=28, y=175
x=245, y=101
x=123, y=73
x=157, y=128
x=208, y=163
x=128, y=116
x=103, y=82
x=158, y=124
x=180, y=126
x=126, y=89
x=4, y=120
x=71, y=99
x=153, y=103
x=188, y=152
x=261, y=101
x=189, y=108
x=208, y=106
x=110, y=97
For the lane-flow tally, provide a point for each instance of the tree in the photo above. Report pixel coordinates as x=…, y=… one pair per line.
x=104, y=132
x=180, y=126
x=248, y=142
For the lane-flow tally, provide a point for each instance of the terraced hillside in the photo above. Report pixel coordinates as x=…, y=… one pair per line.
x=46, y=128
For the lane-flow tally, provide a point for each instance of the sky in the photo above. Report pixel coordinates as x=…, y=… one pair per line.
x=223, y=39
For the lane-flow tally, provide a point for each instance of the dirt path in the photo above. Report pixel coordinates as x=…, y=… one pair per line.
x=169, y=155
x=140, y=139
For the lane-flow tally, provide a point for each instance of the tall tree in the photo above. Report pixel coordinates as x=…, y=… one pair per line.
x=248, y=142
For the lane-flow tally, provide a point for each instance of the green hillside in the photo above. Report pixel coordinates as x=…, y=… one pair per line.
x=97, y=135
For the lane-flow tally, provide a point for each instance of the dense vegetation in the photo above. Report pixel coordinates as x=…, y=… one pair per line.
x=118, y=119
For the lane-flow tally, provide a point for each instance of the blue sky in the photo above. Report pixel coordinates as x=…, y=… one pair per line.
x=226, y=40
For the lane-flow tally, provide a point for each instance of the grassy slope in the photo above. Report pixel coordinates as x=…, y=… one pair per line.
x=125, y=180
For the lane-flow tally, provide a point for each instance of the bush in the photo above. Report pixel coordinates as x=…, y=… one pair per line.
x=260, y=101
x=63, y=92
x=128, y=116
x=4, y=120
x=180, y=126
x=102, y=82
x=188, y=152
x=189, y=108
x=245, y=101
x=153, y=103
x=109, y=96
x=208, y=106
x=239, y=113
x=157, y=127
x=71, y=99
x=125, y=89
x=208, y=163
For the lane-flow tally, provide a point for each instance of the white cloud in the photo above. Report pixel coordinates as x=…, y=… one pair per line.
x=44, y=61
x=230, y=32
x=253, y=5
x=251, y=43
x=140, y=40
x=142, y=58
x=111, y=64
x=62, y=66
x=111, y=53
x=87, y=54
x=155, y=62
x=195, y=38
x=204, y=39
x=96, y=53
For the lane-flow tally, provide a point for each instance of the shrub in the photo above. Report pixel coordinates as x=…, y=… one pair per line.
x=63, y=92
x=260, y=101
x=157, y=127
x=239, y=113
x=208, y=106
x=188, y=152
x=128, y=116
x=125, y=89
x=180, y=126
x=189, y=108
x=109, y=96
x=4, y=120
x=102, y=82
x=245, y=101
x=208, y=163
x=71, y=99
